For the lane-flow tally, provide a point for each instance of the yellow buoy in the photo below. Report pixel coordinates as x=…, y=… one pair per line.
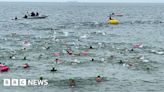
x=113, y=22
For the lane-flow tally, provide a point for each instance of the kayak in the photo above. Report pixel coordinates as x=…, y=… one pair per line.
x=37, y=17
x=113, y=22
x=3, y=68
x=118, y=15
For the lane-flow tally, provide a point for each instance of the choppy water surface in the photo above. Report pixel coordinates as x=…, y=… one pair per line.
x=79, y=26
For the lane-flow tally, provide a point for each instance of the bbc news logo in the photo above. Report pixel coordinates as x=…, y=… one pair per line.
x=24, y=82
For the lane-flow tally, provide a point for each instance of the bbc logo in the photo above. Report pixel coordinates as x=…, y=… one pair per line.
x=14, y=82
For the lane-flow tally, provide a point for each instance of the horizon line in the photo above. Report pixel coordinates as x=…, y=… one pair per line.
x=73, y=2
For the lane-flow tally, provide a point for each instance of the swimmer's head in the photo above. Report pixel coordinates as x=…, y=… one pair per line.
x=41, y=78
x=147, y=68
x=120, y=62
x=91, y=47
x=24, y=58
x=98, y=78
x=132, y=49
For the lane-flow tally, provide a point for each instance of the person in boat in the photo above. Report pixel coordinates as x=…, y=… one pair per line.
x=25, y=16
x=32, y=14
x=110, y=18
x=37, y=14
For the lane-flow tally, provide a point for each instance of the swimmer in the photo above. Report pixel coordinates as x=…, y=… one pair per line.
x=112, y=56
x=72, y=83
x=12, y=57
x=25, y=58
x=40, y=78
x=25, y=65
x=24, y=49
x=132, y=49
x=99, y=79
x=147, y=68
x=120, y=62
x=90, y=47
x=53, y=70
x=56, y=60
x=92, y=59
x=16, y=18
x=48, y=48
